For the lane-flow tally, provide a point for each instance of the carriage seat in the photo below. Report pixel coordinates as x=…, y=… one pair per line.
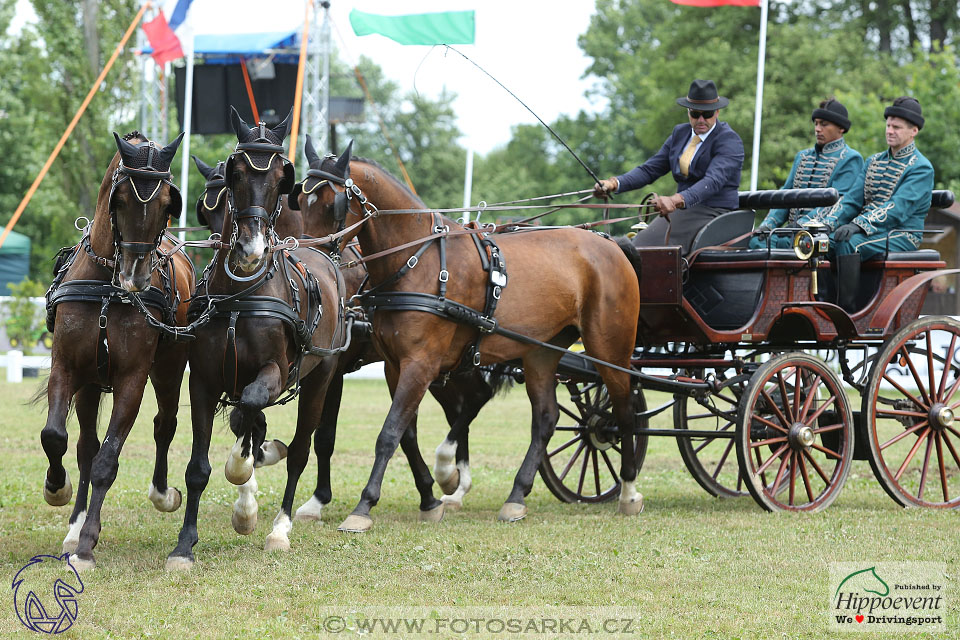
x=723, y=228
x=920, y=255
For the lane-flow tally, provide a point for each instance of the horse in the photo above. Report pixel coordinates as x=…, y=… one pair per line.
x=433, y=297
x=110, y=295
x=278, y=320
x=461, y=397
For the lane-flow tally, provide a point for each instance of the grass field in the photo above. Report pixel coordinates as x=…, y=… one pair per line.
x=689, y=566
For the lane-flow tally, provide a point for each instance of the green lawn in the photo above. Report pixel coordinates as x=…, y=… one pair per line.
x=689, y=566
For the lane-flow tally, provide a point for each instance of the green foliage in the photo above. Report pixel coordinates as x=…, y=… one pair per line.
x=23, y=319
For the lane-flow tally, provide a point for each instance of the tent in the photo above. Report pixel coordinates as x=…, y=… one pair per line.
x=14, y=261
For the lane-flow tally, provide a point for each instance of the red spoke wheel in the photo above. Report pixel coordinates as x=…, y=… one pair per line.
x=795, y=434
x=909, y=407
x=711, y=460
x=582, y=460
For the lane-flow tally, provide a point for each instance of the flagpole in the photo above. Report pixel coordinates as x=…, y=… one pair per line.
x=187, y=126
x=761, y=56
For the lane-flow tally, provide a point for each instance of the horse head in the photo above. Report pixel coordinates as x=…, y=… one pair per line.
x=142, y=200
x=256, y=175
x=212, y=203
x=325, y=210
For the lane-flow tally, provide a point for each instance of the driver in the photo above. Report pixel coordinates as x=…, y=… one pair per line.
x=705, y=157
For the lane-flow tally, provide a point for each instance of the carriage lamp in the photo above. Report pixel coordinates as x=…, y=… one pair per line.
x=812, y=244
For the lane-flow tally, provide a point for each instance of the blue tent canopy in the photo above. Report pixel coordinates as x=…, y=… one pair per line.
x=229, y=48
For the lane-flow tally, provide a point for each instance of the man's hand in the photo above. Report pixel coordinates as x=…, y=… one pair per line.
x=604, y=188
x=668, y=204
x=847, y=231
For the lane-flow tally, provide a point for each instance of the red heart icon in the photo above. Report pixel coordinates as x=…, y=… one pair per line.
x=859, y=618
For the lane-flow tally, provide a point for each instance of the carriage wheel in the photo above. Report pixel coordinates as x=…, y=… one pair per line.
x=909, y=406
x=582, y=460
x=711, y=461
x=795, y=434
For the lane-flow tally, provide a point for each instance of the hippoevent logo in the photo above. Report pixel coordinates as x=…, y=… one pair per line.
x=893, y=596
x=45, y=594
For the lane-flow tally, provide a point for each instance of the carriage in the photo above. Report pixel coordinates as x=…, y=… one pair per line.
x=755, y=358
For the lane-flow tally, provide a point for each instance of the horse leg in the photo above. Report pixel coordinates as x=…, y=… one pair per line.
x=254, y=397
x=57, y=489
x=621, y=396
x=408, y=387
x=540, y=368
x=324, y=439
x=313, y=393
x=461, y=399
x=87, y=404
x=166, y=376
x=126, y=405
x=431, y=509
x=203, y=404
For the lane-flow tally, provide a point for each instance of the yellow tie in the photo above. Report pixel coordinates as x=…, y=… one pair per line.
x=688, y=155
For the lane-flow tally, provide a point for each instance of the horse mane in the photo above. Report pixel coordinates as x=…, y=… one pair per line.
x=329, y=163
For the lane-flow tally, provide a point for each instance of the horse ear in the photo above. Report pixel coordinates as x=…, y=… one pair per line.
x=239, y=126
x=167, y=153
x=312, y=158
x=126, y=149
x=205, y=170
x=343, y=162
x=282, y=129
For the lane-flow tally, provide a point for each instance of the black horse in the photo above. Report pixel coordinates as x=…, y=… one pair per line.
x=270, y=322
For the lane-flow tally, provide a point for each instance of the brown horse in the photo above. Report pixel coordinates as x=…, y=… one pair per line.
x=100, y=342
x=563, y=283
x=276, y=323
x=461, y=396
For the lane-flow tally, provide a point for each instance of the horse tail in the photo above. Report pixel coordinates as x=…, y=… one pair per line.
x=630, y=251
x=501, y=377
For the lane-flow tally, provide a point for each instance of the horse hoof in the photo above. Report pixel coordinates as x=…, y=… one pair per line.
x=306, y=516
x=512, y=511
x=450, y=483
x=276, y=543
x=178, y=563
x=310, y=511
x=356, y=524
x=432, y=515
x=243, y=526
x=238, y=469
x=451, y=504
x=273, y=452
x=167, y=502
x=61, y=496
x=632, y=508
x=82, y=565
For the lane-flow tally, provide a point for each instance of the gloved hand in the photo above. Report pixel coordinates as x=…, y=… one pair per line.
x=845, y=232
x=604, y=188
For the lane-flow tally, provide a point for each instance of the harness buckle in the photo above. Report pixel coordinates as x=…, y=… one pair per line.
x=498, y=278
x=412, y=262
x=444, y=275
x=496, y=292
x=348, y=183
x=476, y=358
x=103, y=321
x=441, y=228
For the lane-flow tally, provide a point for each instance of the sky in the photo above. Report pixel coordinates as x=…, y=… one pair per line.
x=530, y=46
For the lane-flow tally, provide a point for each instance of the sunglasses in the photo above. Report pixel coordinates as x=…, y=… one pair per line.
x=706, y=115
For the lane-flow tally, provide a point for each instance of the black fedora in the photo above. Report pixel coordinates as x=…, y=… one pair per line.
x=702, y=96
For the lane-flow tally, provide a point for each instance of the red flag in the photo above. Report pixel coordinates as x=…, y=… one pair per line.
x=166, y=45
x=718, y=3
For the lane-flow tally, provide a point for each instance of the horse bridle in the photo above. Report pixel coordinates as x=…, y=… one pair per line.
x=261, y=145
x=123, y=174
x=341, y=200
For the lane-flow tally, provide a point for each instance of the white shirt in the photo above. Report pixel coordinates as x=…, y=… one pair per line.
x=703, y=138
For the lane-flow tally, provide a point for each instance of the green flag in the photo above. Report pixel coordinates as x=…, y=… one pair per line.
x=445, y=27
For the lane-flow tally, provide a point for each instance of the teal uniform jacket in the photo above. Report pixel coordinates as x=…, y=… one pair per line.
x=892, y=192
x=835, y=165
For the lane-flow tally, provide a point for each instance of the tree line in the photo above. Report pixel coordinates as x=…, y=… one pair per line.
x=643, y=53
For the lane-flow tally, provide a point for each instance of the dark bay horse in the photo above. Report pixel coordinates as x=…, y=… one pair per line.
x=103, y=341
x=461, y=395
x=276, y=324
x=563, y=283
